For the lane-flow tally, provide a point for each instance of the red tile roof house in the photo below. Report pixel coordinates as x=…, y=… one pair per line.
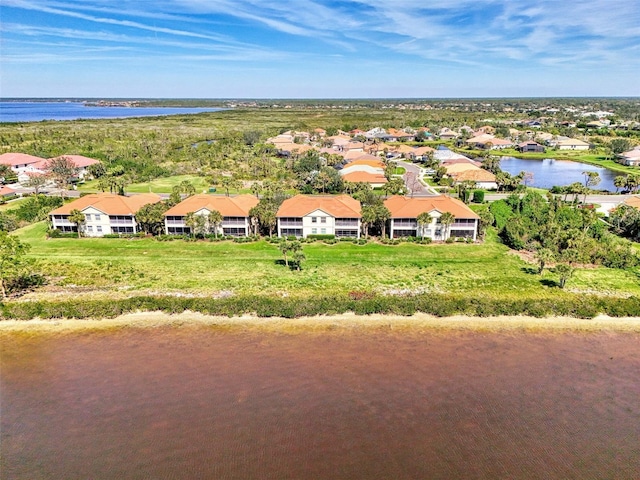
x=234, y=211
x=105, y=213
x=20, y=162
x=405, y=211
x=81, y=163
x=305, y=215
x=7, y=193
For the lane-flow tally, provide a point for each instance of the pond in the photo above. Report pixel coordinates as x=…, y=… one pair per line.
x=549, y=172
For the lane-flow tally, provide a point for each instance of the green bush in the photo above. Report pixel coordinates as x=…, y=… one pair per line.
x=478, y=196
x=321, y=236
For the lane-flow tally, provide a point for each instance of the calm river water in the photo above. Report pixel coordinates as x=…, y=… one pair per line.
x=549, y=172
x=196, y=402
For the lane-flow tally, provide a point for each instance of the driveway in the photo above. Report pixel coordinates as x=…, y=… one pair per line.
x=412, y=179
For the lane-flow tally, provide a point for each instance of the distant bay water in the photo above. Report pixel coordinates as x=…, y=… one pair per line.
x=38, y=111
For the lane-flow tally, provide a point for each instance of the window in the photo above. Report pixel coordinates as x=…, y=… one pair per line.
x=97, y=217
x=89, y=228
x=323, y=219
x=99, y=229
x=323, y=230
x=314, y=219
x=314, y=231
x=87, y=217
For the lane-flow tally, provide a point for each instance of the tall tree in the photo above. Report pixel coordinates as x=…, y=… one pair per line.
x=215, y=220
x=62, y=170
x=382, y=217
x=446, y=219
x=591, y=180
x=620, y=181
x=423, y=220
x=12, y=261
x=544, y=256
x=151, y=217
x=77, y=217
x=369, y=217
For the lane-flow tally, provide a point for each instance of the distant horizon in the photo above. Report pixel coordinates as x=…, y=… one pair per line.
x=320, y=49
x=585, y=97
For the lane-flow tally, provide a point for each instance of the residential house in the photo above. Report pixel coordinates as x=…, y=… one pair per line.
x=462, y=172
x=630, y=158
x=305, y=215
x=447, y=134
x=20, y=162
x=81, y=163
x=405, y=212
x=7, y=193
x=488, y=141
x=104, y=213
x=572, y=144
x=421, y=154
x=365, y=170
x=530, y=146
x=234, y=211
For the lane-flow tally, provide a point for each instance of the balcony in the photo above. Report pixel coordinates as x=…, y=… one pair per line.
x=290, y=223
x=346, y=222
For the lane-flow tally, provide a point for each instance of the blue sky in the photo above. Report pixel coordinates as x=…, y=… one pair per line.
x=319, y=49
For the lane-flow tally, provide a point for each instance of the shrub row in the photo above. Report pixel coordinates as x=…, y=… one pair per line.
x=441, y=305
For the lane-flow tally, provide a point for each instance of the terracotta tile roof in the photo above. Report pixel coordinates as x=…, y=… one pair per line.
x=4, y=191
x=454, y=166
x=13, y=159
x=364, y=177
x=369, y=160
x=422, y=150
x=109, y=203
x=79, y=160
x=633, y=201
x=338, y=206
x=405, y=207
x=354, y=145
x=237, y=206
x=353, y=155
x=474, y=175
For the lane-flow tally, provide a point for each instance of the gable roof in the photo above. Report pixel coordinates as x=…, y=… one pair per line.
x=405, y=207
x=364, y=177
x=13, y=159
x=237, y=206
x=474, y=175
x=5, y=191
x=79, y=160
x=109, y=203
x=367, y=160
x=338, y=206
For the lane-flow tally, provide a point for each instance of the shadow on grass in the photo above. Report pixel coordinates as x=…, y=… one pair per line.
x=547, y=282
x=530, y=270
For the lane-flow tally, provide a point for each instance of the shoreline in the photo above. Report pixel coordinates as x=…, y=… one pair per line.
x=325, y=323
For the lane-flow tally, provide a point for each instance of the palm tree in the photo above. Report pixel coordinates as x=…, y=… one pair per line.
x=77, y=217
x=619, y=182
x=424, y=219
x=382, y=216
x=591, y=180
x=368, y=218
x=256, y=188
x=191, y=222
x=544, y=256
x=446, y=219
x=215, y=220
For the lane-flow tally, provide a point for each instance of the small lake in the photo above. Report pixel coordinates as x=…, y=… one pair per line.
x=216, y=403
x=549, y=172
x=38, y=111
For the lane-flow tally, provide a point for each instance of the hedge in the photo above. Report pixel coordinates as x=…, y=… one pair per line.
x=441, y=305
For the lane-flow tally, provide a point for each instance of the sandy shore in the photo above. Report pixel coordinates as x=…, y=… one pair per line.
x=417, y=322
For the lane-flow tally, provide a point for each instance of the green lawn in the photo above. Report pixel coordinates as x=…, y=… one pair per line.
x=159, y=185
x=13, y=204
x=119, y=267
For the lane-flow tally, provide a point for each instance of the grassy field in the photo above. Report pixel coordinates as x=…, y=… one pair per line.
x=159, y=185
x=13, y=204
x=120, y=267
